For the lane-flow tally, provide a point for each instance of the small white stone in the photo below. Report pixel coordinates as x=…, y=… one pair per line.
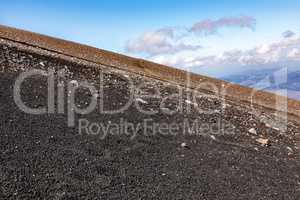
x=183, y=144
x=217, y=111
x=213, y=137
x=141, y=101
x=190, y=102
x=252, y=131
x=289, y=149
x=74, y=82
x=262, y=141
x=42, y=64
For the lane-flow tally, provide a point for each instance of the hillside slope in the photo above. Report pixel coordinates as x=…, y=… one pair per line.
x=236, y=151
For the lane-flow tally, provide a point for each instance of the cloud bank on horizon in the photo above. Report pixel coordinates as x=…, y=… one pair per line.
x=176, y=46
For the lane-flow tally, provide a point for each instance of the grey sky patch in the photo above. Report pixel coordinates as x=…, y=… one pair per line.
x=208, y=26
x=288, y=34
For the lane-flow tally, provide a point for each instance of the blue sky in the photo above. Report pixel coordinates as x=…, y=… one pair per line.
x=123, y=26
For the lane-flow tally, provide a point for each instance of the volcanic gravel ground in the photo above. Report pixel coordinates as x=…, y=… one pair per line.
x=42, y=158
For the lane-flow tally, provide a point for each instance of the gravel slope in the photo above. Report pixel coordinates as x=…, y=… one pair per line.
x=42, y=158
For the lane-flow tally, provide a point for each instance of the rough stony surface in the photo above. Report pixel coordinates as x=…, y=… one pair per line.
x=42, y=158
x=150, y=69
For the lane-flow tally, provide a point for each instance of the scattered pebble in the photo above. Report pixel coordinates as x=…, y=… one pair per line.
x=74, y=82
x=213, y=137
x=141, y=101
x=263, y=141
x=289, y=149
x=42, y=64
x=217, y=111
x=190, y=102
x=252, y=131
x=184, y=145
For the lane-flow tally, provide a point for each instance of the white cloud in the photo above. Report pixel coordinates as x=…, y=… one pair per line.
x=171, y=40
x=167, y=46
x=162, y=41
x=294, y=53
x=265, y=48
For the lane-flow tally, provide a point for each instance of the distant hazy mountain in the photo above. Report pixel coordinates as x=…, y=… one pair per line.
x=273, y=80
